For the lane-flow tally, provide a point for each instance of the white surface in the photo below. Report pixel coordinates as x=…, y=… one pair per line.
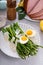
x=37, y=60
x=5, y=44
x=2, y=21
x=28, y=18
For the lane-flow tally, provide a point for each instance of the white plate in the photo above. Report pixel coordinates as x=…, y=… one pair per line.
x=5, y=45
x=28, y=18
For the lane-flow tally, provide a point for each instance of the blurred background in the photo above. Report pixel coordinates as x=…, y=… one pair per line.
x=3, y=4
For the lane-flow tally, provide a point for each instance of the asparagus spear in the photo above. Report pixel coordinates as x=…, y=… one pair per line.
x=16, y=26
x=20, y=51
x=4, y=30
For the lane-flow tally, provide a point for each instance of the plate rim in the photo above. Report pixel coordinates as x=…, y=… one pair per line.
x=26, y=25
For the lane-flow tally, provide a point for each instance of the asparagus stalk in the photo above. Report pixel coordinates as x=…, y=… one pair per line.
x=20, y=51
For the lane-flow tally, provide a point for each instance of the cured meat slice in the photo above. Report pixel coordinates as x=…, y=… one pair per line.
x=37, y=14
x=37, y=8
x=25, y=4
x=38, y=18
x=30, y=4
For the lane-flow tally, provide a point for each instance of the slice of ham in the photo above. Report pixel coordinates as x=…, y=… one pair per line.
x=37, y=14
x=31, y=4
x=38, y=18
x=38, y=7
x=25, y=4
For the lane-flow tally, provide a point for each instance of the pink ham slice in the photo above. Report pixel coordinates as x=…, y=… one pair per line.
x=38, y=7
x=38, y=18
x=31, y=4
x=37, y=14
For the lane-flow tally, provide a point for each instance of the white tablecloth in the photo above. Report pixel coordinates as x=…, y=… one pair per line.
x=5, y=60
